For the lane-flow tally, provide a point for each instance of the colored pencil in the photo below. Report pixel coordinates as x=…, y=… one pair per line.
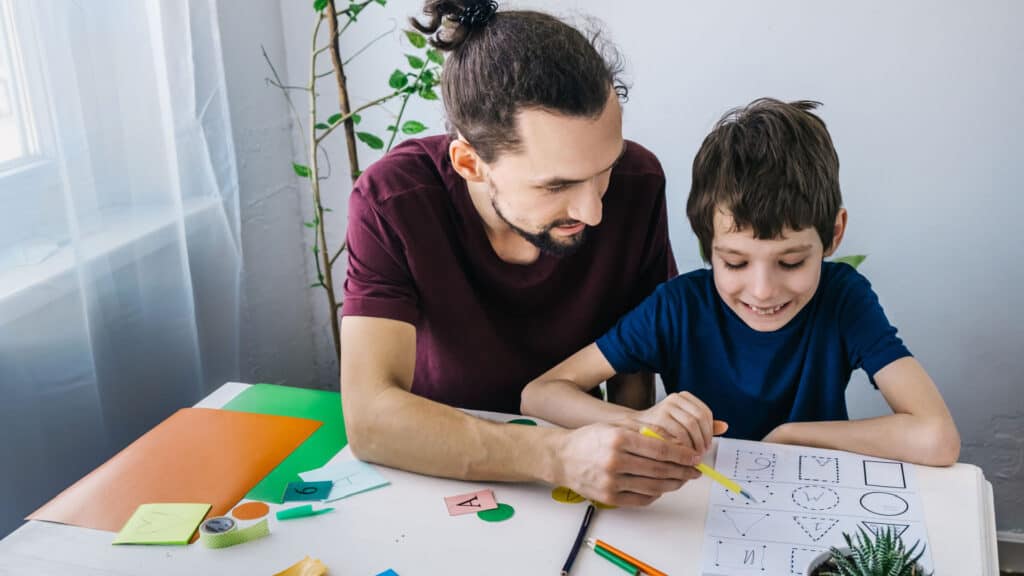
x=715, y=475
x=629, y=568
x=643, y=566
x=579, y=540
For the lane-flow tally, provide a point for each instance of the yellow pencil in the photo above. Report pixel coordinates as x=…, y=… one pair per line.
x=708, y=470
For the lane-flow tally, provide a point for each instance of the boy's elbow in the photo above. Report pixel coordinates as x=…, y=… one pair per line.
x=528, y=399
x=941, y=443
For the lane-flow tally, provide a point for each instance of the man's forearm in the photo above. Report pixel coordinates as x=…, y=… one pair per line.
x=406, y=431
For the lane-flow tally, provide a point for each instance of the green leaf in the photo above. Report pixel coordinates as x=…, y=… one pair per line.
x=355, y=9
x=413, y=127
x=435, y=56
x=415, y=38
x=382, y=2
x=853, y=260
x=319, y=5
x=414, y=61
x=356, y=118
x=317, y=285
x=391, y=128
x=321, y=126
x=370, y=140
x=428, y=93
x=326, y=209
x=316, y=249
x=398, y=80
x=428, y=78
x=310, y=224
x=334, y=118
x=301, y=170
x=358, y=173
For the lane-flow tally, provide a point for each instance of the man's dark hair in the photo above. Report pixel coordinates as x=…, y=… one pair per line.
x=503, y=62
x=770, y=165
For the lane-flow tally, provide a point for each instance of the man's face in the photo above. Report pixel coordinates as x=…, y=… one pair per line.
x=551, y=189
x=765, y=282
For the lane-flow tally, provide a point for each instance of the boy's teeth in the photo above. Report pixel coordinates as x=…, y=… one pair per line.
x=765, y=311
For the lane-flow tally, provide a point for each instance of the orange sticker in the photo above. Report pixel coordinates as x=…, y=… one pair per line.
x=251, y=511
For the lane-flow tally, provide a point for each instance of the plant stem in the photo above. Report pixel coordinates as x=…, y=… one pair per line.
x=343, y=102
x=323, y=269
x=401, y=111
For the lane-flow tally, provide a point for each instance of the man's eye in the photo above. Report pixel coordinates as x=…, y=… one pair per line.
x=732, y=266
x=556, y=187
x=792, y=266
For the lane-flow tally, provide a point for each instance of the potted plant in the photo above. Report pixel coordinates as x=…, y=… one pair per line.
x=879, y=554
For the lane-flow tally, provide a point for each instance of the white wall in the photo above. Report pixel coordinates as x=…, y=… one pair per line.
x=923, y=101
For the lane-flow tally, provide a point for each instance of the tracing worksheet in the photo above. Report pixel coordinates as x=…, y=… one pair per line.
x=806, y=499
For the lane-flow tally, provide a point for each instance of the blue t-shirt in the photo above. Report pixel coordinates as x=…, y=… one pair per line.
x=757, y=380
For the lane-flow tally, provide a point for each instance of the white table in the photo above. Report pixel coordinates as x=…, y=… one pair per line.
x=405, y=526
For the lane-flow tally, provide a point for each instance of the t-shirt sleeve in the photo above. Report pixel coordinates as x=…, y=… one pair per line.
x=378, y=281
x=636, y=342
x=871, y=341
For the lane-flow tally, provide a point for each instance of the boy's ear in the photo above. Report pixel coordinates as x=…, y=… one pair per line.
x=837, y=232
x=466, y=161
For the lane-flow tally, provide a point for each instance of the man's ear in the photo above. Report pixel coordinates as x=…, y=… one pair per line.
x=837, y=232
x=466, y=161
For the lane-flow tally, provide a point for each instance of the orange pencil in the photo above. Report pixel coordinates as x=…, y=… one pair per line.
x=644, y=567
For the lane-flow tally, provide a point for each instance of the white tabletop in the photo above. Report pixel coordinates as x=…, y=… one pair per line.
x=406, y=527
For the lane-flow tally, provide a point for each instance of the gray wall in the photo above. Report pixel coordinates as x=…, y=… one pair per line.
x=923, y=101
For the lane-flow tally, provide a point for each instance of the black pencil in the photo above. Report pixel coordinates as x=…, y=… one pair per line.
x=579, y=540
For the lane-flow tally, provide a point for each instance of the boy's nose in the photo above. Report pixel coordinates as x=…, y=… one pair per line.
x=762, y=287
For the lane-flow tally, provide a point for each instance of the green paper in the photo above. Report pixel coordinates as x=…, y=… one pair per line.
x=523, y=421
x=500, y=514
x=162, y=524
x=315, y=451
x=301, y=512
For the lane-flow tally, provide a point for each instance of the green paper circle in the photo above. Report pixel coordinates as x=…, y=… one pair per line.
x=500, y=514
x=523, y=421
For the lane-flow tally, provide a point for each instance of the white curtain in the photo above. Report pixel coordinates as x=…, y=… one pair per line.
x=120, y=255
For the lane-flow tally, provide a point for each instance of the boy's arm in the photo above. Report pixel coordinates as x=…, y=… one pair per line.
x=921, y=429
x=389, y=425
x=560, y=394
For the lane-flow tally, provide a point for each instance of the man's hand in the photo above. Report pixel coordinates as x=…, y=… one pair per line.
x=615, y=464
x=684, y=418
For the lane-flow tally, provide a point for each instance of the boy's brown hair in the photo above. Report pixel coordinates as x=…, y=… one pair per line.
x=771, y=165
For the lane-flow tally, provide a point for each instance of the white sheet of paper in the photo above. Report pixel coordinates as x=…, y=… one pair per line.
x=807, y=498
x=350, y=478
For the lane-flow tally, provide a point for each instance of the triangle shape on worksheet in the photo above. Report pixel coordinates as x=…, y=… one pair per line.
x=743, y=520
x=815, y=526
x=877, y=528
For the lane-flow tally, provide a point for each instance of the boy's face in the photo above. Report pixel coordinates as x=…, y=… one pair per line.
x=767, y=282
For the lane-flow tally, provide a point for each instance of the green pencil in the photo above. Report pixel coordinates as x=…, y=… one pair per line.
x=614, y=559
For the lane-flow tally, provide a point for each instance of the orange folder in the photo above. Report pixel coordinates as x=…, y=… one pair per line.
x=196, y=455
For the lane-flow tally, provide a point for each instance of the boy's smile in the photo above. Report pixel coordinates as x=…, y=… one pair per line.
x=767, y=282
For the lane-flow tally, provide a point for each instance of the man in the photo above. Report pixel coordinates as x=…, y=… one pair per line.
x=480, y=259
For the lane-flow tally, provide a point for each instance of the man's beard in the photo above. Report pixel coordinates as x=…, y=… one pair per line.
x=543, y=239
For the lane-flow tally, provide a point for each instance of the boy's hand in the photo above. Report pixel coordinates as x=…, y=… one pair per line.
x=684, y=418
x=614, y=464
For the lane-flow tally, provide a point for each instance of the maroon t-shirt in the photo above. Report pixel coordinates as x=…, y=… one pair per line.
x=418, y=253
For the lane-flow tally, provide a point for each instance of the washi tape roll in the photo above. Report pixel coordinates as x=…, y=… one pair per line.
x=221, y=532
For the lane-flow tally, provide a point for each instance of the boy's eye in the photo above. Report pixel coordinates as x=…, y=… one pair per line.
x=733, y=266
x=556, y=187
x=792, y=265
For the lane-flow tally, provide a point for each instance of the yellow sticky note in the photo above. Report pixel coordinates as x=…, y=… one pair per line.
x=306, y=567
x=162, y=524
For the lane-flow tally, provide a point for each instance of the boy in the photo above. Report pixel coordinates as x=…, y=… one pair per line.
x=768, y=337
